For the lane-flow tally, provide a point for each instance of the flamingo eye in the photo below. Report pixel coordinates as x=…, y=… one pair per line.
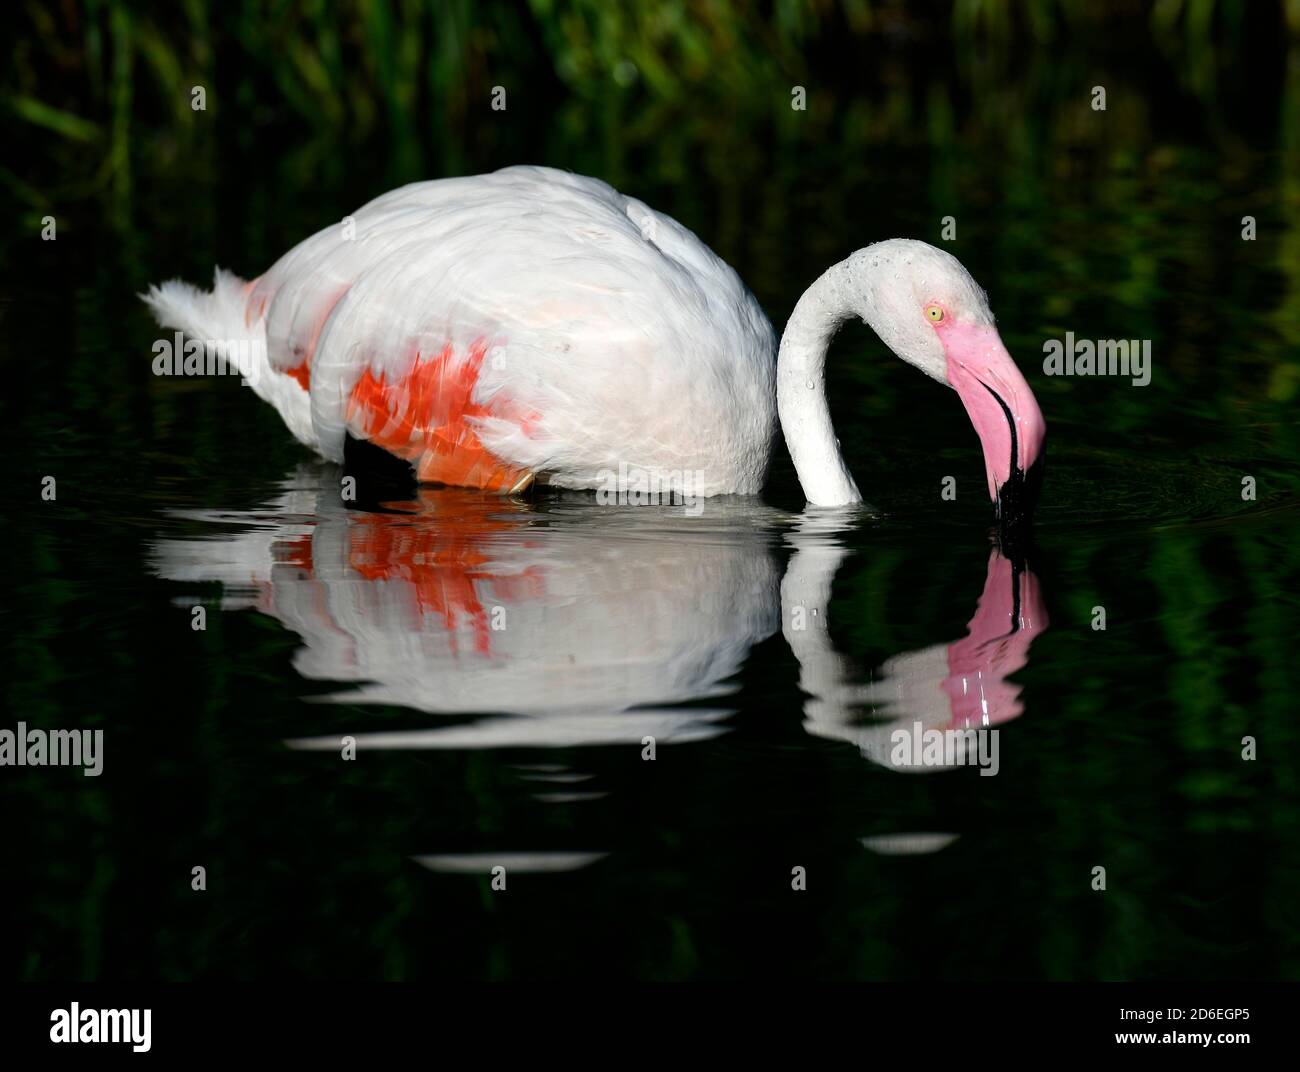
x=934, y=313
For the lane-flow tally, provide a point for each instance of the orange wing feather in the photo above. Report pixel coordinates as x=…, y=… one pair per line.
x=427, y=417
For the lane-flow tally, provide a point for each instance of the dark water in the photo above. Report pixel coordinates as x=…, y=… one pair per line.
x=522, y=746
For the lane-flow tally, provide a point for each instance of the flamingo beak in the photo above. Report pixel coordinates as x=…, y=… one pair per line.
x=1005, y=415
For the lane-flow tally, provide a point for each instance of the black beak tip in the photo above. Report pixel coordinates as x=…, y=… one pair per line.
x=1018, y=497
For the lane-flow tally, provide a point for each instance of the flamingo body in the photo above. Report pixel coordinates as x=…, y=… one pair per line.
x=494, y=328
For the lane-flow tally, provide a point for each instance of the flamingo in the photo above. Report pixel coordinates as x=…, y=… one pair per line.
x=536, y=325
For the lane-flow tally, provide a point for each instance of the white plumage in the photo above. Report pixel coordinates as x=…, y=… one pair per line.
x=605, y=334
x=531, y=323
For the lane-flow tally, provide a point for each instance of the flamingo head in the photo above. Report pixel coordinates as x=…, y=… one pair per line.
x=926, y=307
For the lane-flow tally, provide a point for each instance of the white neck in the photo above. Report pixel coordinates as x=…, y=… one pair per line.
x=801, y=389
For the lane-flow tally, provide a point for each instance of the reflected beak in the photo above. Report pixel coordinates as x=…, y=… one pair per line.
x=1005, y=415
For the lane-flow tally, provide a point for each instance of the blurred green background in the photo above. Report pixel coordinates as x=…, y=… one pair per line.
x=1125, y=223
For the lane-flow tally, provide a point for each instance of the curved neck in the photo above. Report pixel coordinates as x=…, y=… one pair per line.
x=801, y=390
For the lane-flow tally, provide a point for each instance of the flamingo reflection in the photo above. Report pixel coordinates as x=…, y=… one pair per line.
x=564, y=624
x=957, y=686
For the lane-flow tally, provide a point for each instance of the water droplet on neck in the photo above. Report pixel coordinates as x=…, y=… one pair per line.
x=810, y=385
